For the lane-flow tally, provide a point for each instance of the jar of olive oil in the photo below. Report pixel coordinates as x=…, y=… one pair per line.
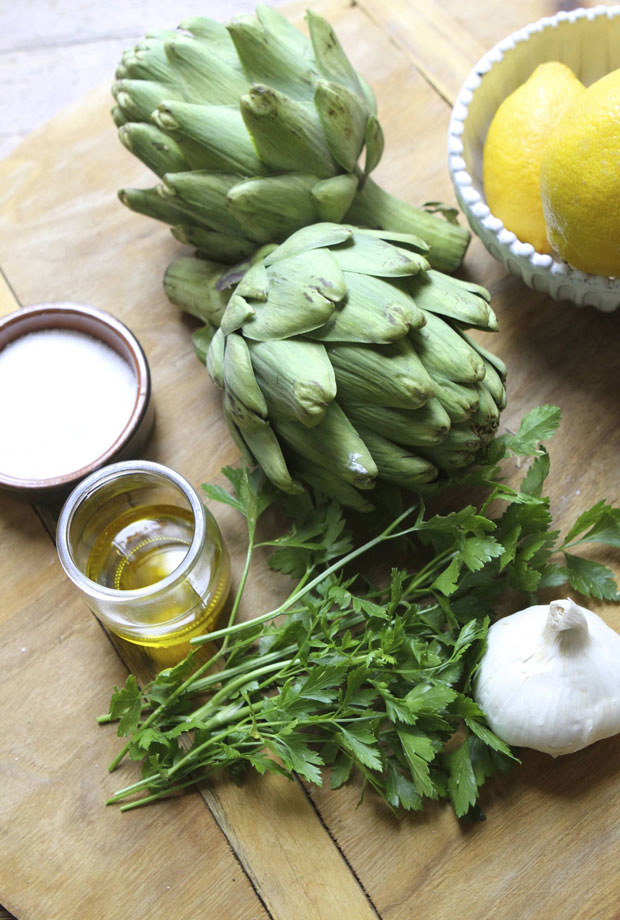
x=147, y=555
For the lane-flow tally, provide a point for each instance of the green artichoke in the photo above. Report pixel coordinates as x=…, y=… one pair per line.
x=342, y=358
x=256, y=131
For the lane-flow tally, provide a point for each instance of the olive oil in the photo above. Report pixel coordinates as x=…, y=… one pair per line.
x=143, y=546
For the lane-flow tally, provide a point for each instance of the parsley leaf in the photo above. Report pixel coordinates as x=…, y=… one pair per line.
x=538, y=425
x=126, y=706
x=602, y=523
x=462, y=785
x=591, y=578
x=535, y=477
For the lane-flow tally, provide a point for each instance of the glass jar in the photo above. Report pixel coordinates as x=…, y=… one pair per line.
x=146, y=554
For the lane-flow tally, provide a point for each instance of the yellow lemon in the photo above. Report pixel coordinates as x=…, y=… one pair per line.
x=514, y=148
x=580, y=180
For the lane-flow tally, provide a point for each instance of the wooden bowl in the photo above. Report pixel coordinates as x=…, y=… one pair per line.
x=587, y=41
x=107, y=329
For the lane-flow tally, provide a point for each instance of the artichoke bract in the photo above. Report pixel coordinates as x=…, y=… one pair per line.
x=256, y=131
x=342, y=359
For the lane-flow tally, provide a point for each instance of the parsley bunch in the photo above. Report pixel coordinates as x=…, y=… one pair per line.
x=358, y=677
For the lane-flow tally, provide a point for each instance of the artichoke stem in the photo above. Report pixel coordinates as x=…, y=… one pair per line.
x=374, y=207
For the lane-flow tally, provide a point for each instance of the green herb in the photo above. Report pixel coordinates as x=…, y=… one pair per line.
x=358, y=678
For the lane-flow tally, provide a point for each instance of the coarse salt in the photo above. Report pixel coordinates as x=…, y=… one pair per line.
x=64, y=399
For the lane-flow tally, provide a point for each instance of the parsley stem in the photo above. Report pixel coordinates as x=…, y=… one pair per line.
x=156, y=795
x=387, y=534
x=429, y=568
x=158, y=711
x=244, y=578
x=233, y=685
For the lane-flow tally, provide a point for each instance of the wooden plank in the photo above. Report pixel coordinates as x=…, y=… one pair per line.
x=91, y=249
x=557, y=820
x=8, y=300
x=550, y=844
x=445, y=39
x=426, y=32
x=491, y=20
x=64, y=854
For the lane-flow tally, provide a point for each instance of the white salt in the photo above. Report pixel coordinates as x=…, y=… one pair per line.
x=64, y=399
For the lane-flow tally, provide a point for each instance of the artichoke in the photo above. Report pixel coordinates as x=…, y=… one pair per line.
x=342, y=359
x=256, y=131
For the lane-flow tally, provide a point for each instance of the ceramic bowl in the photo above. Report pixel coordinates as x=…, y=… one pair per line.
x=105, y=327
x=586, y=40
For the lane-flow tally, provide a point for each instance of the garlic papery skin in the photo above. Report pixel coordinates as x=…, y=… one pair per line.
x=550, y=678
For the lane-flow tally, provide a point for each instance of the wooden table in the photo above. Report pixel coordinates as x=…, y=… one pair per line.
x=551, y=844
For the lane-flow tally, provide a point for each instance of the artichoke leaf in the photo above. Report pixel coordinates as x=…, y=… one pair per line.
x=237, y=313
x=156, y=150
x=375, y=143
x=192, y=284
x=289, y=310
x=333, y=444
x=138, y=98
x=324, y=481
x=438, y=293
x=384, y=375
x=487, y=356
x=264, y=445
x=213, y=136
x=445, y=352
x=317, y=236
x=424, y=427
x=398, y=464
x=273, y=207
x=495, y=386
x=255, y=284
x=239, y=375
x=485, y=419
x=215, y=359
x=332, y=62
x=201, y=340
x=203, y=192
x=295, y=376
x=267, y=59
x=375, y=312
x=151, y=203
x=223, y=247
x=205, y=76
x=287, y=134
x=370, y=255
x=334, y=196
x=459, y=400
x=343, y=116
x=284, y=32
x=316, y=270
x=214, y=35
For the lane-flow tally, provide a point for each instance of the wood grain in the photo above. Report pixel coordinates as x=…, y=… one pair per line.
x=550, y=844
x=445, y=38
x=64, y=854
x=61, y=191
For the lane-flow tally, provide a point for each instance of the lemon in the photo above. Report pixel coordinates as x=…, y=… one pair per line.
x=580, y=180
x=514, y=147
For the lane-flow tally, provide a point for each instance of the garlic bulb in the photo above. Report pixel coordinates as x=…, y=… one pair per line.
x=550, y=678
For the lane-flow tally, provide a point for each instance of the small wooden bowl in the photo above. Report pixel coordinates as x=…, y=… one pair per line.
x=105, y=327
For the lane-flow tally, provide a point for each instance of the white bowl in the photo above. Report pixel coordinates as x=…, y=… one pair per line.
x=588, y=41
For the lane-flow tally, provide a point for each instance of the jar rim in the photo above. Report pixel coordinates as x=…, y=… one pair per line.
x=87, y=488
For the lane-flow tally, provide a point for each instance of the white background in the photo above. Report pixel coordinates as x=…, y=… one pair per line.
x=54, y=51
